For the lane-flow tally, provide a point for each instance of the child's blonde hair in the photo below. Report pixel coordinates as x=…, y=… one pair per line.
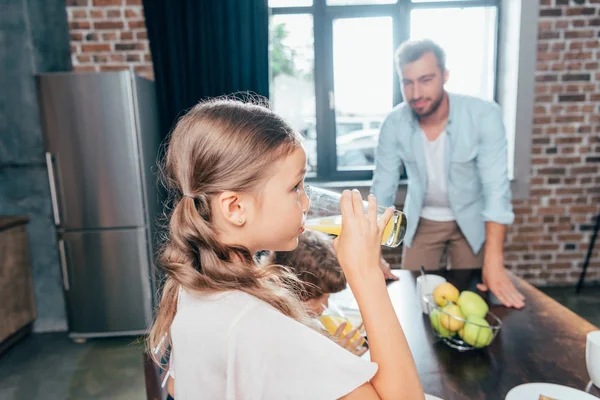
x=219, y=145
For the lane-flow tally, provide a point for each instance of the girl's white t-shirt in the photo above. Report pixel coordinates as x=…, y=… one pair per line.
x=234, y=346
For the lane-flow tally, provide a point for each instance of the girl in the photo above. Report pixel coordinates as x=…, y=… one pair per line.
x=235, y=328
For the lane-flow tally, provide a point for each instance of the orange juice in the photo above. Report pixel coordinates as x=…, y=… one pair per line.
x=392, y=234
x=332, y=322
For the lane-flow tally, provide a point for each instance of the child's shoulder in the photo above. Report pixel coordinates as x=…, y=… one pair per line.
x=220, y=311
x=221, y=302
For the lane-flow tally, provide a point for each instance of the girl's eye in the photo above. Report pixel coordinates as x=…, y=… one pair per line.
x=298, y=186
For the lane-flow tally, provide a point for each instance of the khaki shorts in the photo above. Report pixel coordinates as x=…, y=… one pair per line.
x=432, y=240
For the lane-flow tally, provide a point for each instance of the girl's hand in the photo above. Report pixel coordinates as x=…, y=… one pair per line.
x=354, y=346
x=358, y=247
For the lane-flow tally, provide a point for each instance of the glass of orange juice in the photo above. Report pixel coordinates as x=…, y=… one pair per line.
x=325, y=215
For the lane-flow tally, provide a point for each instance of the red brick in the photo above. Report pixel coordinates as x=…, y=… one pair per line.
x=100, y=58
x=132, y=13
x=108, y=36
x=95, y=47
x=132, y=58
x=76, y=36
x=77, y=13
x=107, y=25
x=566, y=160
x=84, y=68
x=545, y=246
x=579, y=34
x=134, y=2
x=561, y=265
x=578, y=55
x=126, y=35
x=114, y=68
x=73, y=25
x=104, y=3
x=550, y=210
x=97, y=14
x=584, y=209
x=570, y=237
x=540, y=161
x=136, y=24
x=84, y=58
x=580, y=11
x=113, y=13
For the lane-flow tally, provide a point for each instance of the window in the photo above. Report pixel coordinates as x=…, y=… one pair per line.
x=468, y=36
x=333, y=75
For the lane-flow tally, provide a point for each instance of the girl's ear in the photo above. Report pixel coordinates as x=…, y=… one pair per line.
x=232, y=207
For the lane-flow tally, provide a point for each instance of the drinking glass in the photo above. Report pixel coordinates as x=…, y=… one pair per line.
x=325, y=215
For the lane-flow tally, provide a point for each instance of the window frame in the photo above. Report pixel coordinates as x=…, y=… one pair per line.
x=323, y=17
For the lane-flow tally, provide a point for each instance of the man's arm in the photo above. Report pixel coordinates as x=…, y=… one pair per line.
x=492, y=163
x=387, y=165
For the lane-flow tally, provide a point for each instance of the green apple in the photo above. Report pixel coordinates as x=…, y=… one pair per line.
x=471, y=303
x=448, y=320
x=479, y=335
x=434, y=317
x=445, y=293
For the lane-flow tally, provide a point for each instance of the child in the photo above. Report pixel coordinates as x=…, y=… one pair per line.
x=236, y=329
x=316, y=266
x=319, y=272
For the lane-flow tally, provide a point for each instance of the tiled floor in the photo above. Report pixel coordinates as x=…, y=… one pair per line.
x=51, y=367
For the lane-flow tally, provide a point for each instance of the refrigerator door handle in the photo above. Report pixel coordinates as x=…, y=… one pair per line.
x=53, y=194
x=63, y=263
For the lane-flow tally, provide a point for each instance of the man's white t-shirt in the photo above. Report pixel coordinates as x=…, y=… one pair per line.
x=436, y=205
x=232, y=345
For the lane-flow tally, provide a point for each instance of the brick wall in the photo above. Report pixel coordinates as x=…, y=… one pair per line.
x=548, y=242
x=549, y=239
x=109, y=35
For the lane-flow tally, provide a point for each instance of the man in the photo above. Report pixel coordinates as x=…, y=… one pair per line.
x=454, y=150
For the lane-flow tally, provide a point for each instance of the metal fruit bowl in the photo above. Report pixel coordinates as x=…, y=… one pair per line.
x=471, y=336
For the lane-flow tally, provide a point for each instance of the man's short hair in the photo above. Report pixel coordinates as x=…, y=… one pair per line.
x=411, y=50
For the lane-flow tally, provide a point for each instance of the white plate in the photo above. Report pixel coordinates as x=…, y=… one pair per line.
x=532, y=391
x=431, y=397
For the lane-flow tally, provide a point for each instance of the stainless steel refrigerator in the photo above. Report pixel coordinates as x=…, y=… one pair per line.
x=101, y=140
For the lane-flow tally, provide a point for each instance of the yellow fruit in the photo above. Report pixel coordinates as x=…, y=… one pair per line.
x=447, y=318
x=434, y=317
x=445, y=293
x=332, y=322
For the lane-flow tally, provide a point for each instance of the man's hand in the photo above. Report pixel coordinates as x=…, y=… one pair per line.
x=495, y=278
x=387, y=270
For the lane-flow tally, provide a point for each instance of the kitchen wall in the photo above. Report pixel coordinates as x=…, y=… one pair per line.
x=34, y=38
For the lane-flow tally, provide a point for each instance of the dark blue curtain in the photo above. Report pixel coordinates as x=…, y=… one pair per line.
x=206, y=48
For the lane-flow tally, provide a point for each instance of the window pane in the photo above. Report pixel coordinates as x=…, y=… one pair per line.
x=363, y=85
x=290, y=3
x=434, y=1
x=292, y=88
x=468, y=37
x=357, y=2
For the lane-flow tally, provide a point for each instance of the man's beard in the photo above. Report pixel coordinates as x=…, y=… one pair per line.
x=436, y=104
